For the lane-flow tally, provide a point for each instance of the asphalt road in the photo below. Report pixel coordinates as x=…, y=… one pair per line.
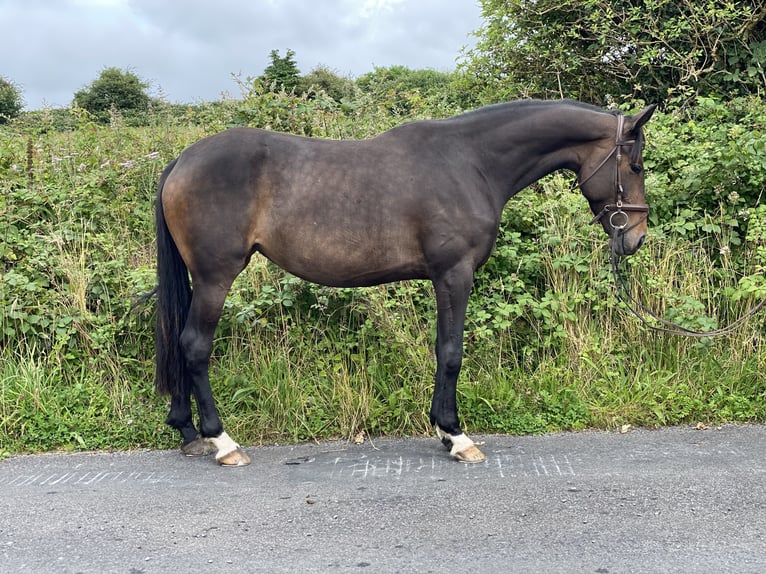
x=672, y=500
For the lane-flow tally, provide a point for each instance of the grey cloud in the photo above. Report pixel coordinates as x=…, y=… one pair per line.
x=190, y=48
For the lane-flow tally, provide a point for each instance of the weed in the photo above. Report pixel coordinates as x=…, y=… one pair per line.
x=548, y=347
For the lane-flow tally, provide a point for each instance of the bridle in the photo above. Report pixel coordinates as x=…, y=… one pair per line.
x=618, y=220
x=618, y=216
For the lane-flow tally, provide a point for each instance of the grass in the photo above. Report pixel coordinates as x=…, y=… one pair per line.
x=44, y=409
x=547, y=345
x=294, y=380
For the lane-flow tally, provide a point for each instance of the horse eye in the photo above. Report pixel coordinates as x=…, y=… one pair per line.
x=635, y=168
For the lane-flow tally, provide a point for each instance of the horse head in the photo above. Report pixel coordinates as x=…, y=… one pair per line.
x=612, y=180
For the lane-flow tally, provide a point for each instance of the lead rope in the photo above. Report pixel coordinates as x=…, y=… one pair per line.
x=624, y=296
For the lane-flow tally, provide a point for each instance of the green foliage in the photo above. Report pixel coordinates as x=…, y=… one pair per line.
x=282, y=71
x=316, y=113
x=597, y=50
x=114, y=90
x=11, y=100
x=400, y=86
x=46, y=405
x=548, y=347
x=403, y=89
x=708, y=168
x=323, y=79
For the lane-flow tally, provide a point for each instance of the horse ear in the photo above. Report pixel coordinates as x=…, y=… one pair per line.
x=635, y=122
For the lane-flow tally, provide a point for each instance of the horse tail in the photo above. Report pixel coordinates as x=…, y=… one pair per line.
x=173, y=301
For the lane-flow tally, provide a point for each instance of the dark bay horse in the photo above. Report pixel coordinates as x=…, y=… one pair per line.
x=420, y=201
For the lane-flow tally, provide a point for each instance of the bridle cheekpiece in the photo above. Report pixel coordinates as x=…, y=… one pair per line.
x=618, y=216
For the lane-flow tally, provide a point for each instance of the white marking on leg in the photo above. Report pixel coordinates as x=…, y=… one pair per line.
x=224, y=444
x=460, y=442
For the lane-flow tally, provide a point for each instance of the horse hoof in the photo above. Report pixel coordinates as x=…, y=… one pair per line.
x=470, y=454
x=237, y=457
x=198, y=447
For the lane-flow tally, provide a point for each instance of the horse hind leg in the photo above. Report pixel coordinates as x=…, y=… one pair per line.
x=197, y=345
x=180, y=418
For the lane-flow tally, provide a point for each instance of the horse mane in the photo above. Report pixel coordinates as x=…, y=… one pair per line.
x=522, y=106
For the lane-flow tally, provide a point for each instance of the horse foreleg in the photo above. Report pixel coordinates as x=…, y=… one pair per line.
x=452, y=291
x=197, y=345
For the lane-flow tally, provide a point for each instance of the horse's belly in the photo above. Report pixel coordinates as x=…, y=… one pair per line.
x=351, y=261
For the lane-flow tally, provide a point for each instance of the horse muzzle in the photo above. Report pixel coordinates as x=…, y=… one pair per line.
x=626, y=243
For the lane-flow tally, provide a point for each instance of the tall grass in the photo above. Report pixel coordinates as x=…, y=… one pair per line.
x=547, y=344
x=353, y=361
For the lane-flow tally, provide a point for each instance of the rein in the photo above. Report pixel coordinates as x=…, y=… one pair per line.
x=641, y=311
x=618, y=220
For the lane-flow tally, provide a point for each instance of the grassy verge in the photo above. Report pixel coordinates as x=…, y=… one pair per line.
x=301, y=363
x=547, y=345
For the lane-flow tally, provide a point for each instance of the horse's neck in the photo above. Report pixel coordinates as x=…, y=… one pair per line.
x=529, y=146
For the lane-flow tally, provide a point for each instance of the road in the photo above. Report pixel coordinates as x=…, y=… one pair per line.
x=670, y=500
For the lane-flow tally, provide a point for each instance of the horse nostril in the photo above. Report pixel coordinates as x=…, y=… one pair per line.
x=624, y=245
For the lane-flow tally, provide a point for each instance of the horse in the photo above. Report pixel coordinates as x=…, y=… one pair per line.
x=420, y=201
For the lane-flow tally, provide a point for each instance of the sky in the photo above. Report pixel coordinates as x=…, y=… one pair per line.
x=187, y=50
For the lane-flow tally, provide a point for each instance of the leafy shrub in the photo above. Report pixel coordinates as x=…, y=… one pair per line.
x=11, y=100
x=547, y=344
x=708, y=168
x=115, y=90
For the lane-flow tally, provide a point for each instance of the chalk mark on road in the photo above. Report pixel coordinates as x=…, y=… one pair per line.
x=365, y=467
x=82, y=478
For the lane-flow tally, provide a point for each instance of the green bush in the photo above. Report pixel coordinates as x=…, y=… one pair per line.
x=548, y=347
x=11, y=100
x=708, y=161
x=115, y=91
